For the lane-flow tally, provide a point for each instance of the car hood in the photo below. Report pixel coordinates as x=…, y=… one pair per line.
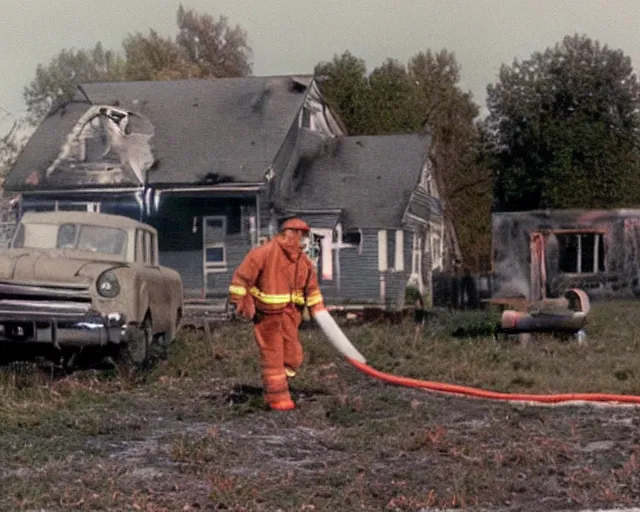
x=54, y=266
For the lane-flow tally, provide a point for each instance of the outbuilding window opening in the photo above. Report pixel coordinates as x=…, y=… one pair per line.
x=581, y=253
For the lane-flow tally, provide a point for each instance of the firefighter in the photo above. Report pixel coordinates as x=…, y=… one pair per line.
x=272, y=286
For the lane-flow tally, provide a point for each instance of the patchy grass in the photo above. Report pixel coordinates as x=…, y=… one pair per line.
x=193, y=432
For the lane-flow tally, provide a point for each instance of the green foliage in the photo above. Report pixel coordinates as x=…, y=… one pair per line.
x=55, y=83
x=411, y=295
x=346, y=89
x=563, y=127
x=203, y=48
x=216, y=48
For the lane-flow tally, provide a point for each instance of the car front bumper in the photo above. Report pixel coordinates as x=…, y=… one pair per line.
x=61, y=323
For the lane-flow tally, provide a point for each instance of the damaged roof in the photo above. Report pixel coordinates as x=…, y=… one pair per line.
x=369, y=177
x=204, y=130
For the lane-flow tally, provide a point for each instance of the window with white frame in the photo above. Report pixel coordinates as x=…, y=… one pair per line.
x=437, y=251
x=581, y=253
x=398, y=261
x=214, y=246
x=416, y=255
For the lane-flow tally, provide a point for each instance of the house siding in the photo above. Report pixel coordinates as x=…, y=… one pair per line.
x=359, y=276
x=357, y=280
x=396, y=280
x=180, y=237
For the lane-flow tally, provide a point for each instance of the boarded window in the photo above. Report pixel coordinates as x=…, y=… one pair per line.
x=581, y=253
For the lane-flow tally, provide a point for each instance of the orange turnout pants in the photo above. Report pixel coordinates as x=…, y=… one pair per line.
x=277, y=338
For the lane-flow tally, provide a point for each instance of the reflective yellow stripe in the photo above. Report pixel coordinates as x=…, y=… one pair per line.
x=268, y=298
x=298, y=298
x=283, y=298
x=314, y=298
x=237, y=290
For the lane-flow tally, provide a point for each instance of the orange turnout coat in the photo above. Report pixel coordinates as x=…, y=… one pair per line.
x=272, y=285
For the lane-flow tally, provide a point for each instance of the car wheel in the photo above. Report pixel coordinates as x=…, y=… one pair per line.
x=136, y=349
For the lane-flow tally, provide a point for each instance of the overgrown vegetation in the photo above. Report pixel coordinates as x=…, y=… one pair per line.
x=193, y=432
x=564, y=126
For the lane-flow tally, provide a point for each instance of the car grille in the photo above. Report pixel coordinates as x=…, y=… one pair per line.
x=44, y=298
x=45, y=292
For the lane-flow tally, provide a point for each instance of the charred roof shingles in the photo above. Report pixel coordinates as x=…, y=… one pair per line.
x=369, y=177
x=227, y=128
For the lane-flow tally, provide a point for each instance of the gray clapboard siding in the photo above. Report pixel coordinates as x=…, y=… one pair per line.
x=359, y=276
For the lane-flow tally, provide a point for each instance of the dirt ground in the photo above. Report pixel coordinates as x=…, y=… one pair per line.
x=192, y=433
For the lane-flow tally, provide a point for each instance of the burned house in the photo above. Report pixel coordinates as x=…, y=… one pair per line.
x=539, y=254
x=215, y=165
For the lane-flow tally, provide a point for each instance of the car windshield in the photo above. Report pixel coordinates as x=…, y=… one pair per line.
x=82, y=237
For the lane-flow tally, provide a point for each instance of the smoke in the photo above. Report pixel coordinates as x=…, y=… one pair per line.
x=510, y=282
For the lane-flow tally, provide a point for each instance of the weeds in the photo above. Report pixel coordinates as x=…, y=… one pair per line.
x=193, y=431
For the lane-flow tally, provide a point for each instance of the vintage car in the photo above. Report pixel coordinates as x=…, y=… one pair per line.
x=73, y=279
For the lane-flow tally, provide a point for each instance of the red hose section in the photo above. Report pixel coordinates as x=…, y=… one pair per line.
x=442, y=387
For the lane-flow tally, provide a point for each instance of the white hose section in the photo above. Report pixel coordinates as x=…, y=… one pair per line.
x=335, y=335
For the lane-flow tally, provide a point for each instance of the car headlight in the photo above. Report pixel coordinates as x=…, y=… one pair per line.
x=108, y=285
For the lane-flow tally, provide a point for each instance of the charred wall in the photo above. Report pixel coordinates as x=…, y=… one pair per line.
x=596, y=250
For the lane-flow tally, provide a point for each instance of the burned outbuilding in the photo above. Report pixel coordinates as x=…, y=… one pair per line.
x=542, y=253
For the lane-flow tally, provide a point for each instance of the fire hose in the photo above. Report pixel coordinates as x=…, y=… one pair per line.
x=338, y=339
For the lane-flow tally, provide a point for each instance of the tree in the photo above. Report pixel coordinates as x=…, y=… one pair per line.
x=394, y=97
x=216, y=48
x=154, y=57
x=55, y=83
x=203, y=48
x=345, y=87
x=564, y=128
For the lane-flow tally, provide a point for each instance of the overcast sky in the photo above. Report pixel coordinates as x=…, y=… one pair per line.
x=291, y=36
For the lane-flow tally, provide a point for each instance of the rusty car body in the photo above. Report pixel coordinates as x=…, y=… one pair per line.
x=74, y=279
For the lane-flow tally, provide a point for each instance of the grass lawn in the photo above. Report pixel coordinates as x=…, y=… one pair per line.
x=192, y=433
